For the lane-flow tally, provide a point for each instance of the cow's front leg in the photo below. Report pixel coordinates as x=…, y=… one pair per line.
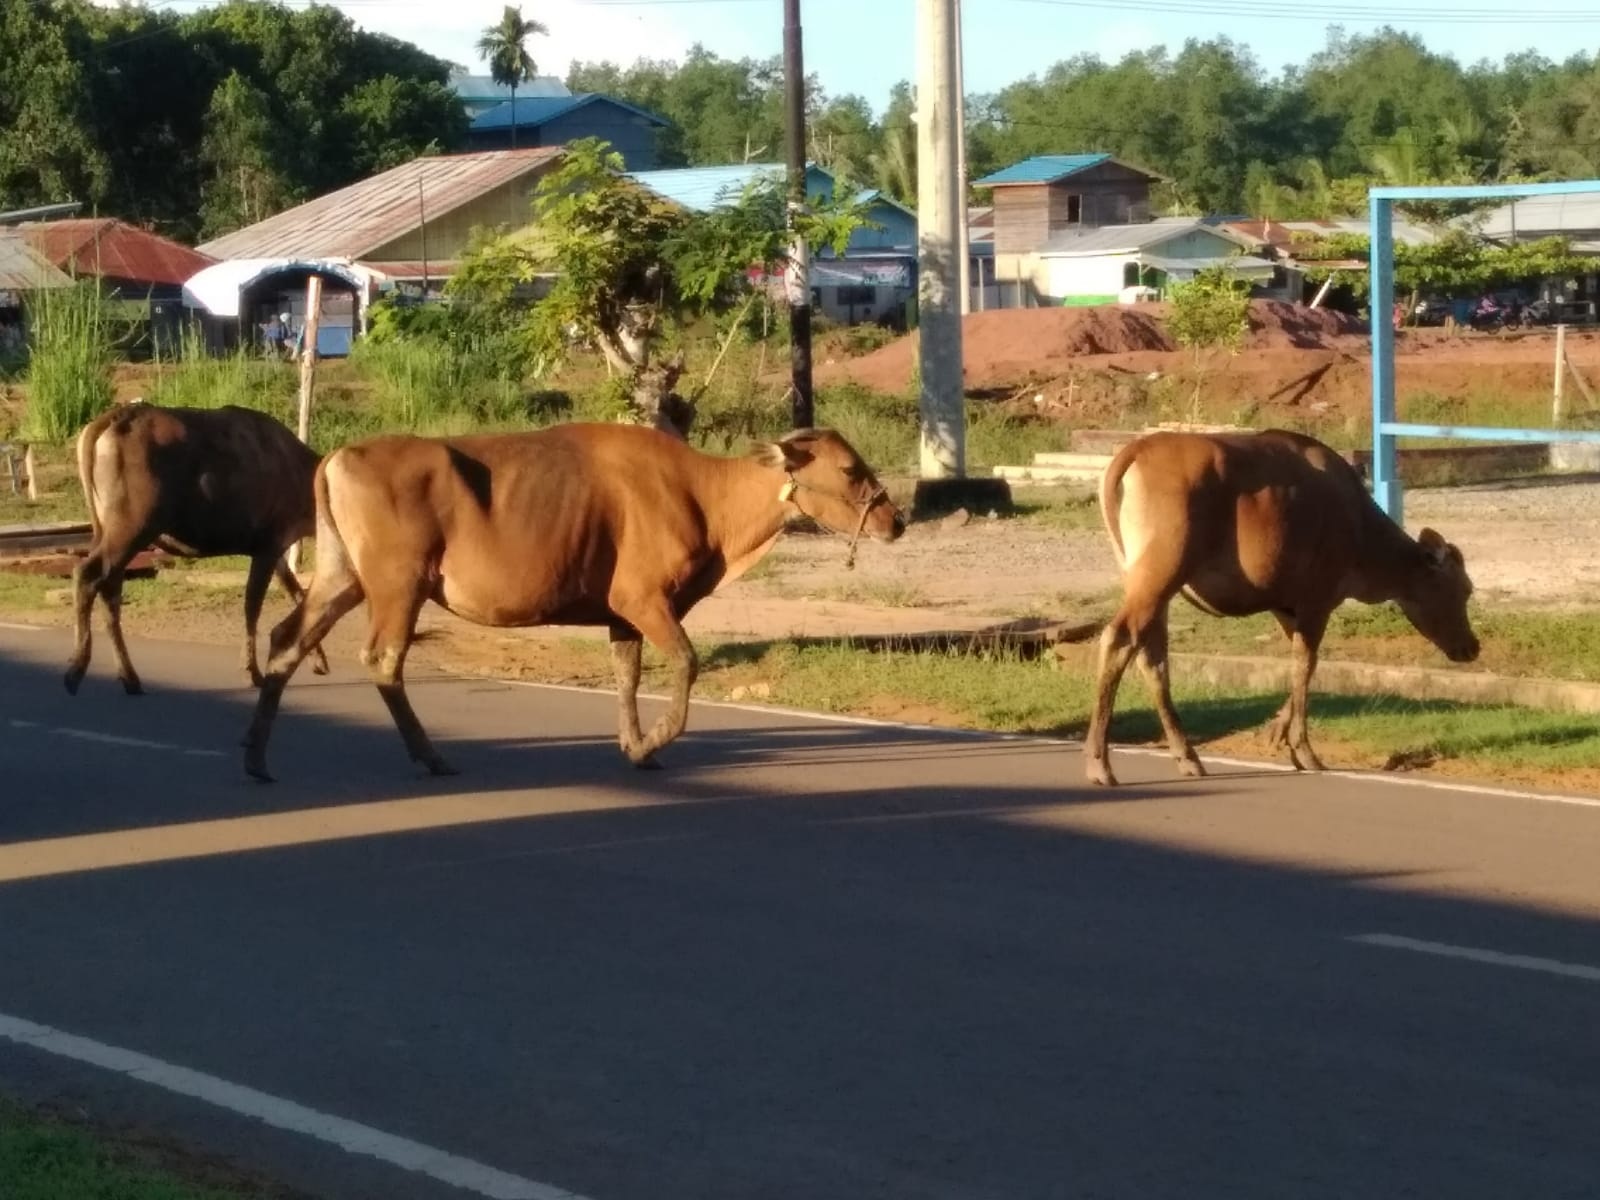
x=655, y=620
x=626, y=654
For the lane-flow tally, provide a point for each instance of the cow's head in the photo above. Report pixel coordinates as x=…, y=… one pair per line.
x=1436, y=598
x=829, y=482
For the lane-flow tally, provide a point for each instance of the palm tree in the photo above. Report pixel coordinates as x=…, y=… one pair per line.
x=504, y=47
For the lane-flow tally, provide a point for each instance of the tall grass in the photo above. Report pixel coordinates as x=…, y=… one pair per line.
x=436, y=386
x=196, y=378
x=73, y=343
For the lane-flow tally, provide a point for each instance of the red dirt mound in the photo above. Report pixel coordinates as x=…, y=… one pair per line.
x=1008, y=347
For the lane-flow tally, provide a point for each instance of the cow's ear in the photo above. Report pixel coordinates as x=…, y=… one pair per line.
x=786, y=455
x=1437, y=549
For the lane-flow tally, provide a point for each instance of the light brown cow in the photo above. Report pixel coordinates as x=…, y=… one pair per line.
x=581, y=524
x=196, y=483
x=1267, y=522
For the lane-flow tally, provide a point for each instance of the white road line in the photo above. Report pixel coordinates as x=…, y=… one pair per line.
x=1377, y=777
x=21, y=628
x=1494, y=958
x=283, y=1114
x=117, y=739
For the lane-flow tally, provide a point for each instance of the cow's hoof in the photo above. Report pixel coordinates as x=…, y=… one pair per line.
x=132, y=686
x=646, y=762
x=255, y=766
x=319, y=665
x=1305, y=759
x=72, y=680
x=1099, y=773
x=256, y=679
x=438, y=766
x=1191, y=768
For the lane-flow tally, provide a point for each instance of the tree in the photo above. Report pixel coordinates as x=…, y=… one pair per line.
x=1210, y=312
x=504, y=45
x=631, y=270
x=241, y=151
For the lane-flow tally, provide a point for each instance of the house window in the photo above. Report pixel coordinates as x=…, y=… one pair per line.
x=1130, y=274
x=856, y=297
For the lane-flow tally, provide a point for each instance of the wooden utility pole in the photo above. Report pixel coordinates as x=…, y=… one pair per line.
x=1557, y=408
x=938, y=243
x=308, y=372
x=797, y=276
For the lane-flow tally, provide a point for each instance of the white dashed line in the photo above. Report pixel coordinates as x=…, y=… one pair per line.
x=283, y=1114
x=1493, y=958
x=117, y=739
x=21, y=628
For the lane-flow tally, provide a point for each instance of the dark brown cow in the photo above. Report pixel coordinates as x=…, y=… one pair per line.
x=1268, y=522
x=580, y=524
x=196, y=483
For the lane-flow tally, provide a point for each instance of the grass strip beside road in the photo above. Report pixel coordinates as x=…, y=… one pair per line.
x=48, y=1158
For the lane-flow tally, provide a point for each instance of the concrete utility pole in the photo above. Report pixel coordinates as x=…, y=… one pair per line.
x=797, y=278
x=964, y=254
x=938, y=238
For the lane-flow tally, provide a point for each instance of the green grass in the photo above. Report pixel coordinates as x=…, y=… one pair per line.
x=69, y=363
x=47, y=1160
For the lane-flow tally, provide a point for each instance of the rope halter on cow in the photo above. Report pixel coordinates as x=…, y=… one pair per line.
x=880, y=493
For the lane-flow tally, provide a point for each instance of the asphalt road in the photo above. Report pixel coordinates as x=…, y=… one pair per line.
x=808, y=960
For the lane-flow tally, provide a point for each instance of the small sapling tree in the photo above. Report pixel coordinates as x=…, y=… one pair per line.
x=1210, y=312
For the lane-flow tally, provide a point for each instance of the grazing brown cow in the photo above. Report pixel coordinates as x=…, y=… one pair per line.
x=581, y=524
x=196, y=483
x=1267, y=522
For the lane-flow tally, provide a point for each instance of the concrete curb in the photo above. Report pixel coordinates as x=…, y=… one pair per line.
x=1370, y=679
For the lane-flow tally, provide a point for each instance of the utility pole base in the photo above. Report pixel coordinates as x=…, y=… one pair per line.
x=978, y=494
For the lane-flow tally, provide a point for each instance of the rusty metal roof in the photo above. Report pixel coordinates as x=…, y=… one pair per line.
x=24, y=269
x=355, y=221
x=111, y=249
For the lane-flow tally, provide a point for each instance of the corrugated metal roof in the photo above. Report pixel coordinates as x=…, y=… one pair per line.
x=531, y=111
x=701, y=188
x=1540, y=216
x=1043, y=168
x=483, y=87
x=1281, y=233
x=1121, y=239
x=110, y=249
x=357, y=220
x=24, y=269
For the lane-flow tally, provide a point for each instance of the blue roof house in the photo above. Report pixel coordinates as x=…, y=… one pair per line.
x=874, y=277
x=557, y=120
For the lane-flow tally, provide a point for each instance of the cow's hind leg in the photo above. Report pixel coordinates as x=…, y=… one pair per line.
x=1149, y=585
x=296, y=593
x=335, y=590
x=626, y=653
x=656, y=621
x=1153, y=662
x=86, y=579
x=100, y=574
x=393, y=619
x=111, y=595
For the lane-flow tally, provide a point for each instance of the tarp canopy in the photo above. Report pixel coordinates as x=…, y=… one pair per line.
x=220, y=289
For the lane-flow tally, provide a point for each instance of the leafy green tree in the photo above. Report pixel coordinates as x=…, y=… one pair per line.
x=242, y=147
x=628, y=270
x=47, y=151
x=1210, y=312
x=504, y=45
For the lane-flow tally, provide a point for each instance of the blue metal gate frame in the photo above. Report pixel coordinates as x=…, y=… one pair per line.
x=1385, y=429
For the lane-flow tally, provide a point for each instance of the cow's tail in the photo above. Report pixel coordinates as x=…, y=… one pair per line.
x=87, y=437
x=1111, y=501
x=331, y=548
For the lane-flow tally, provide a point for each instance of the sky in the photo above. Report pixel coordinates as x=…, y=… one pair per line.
x=865, y=46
